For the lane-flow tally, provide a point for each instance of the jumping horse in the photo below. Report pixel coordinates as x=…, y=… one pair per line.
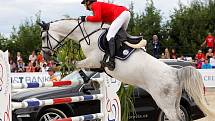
x=162, y=82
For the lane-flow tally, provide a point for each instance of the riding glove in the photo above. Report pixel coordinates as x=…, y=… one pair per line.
x=83, y=18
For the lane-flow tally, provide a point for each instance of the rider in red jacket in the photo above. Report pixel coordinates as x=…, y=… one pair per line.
x=116, y=16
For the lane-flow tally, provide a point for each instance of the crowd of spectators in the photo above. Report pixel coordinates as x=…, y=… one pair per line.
x=35, y=63
x=164, y=55
x=204, y=59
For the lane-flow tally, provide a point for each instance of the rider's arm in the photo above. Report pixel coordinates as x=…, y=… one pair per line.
x=96, y=8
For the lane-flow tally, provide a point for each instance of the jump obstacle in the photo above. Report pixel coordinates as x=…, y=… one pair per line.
x=109, y=100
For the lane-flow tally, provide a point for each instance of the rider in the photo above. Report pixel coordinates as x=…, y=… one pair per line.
x=116, y=16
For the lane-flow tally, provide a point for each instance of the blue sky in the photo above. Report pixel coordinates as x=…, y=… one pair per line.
x=14, y=12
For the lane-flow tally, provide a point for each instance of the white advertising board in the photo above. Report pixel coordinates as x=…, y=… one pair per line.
x=5, y=88
x=29, y=77
x=208, y=76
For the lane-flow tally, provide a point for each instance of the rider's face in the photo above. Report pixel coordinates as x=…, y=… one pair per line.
x=87, y=5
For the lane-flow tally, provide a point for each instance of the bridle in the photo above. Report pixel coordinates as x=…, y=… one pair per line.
x=62, y=42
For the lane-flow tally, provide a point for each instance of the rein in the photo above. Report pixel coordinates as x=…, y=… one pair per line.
x=62, y=42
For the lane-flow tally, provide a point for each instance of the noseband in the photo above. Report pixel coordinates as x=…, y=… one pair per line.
x=62, y=42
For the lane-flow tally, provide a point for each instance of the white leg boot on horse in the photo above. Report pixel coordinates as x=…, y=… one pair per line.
x=163, y=82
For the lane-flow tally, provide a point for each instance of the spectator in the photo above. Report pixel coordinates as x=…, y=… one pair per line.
x=206, y=65
x=20, y=66
x=44, y=67
x=199, y=55
x=173, y=54
x=166, y=53
x=50, y=63
x=18, y=57
x=30, y=67
x=39, y=57
x=181, y=58
x=199, y=63
x=51, y=72
x=212, y=61
x=37, y=67
x=12, y=65
x=209, y=54
x=209, y=42
x=156, y=46
x=162, y=56
x=199, y=59
x=32, y=57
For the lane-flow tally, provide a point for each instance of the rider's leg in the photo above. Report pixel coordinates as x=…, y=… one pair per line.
x=112, y=48
x=121, y=21
x=127, y=20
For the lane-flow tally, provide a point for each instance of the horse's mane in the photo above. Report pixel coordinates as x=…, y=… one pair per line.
x=64, y=20
x=77, y=19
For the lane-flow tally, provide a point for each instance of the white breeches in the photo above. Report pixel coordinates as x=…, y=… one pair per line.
x=121, y=21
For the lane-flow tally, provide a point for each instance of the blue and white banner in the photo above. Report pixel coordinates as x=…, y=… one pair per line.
x=208, y=76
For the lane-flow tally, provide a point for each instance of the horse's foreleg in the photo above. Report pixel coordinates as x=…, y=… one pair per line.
x=87, y=63
x=82, y=64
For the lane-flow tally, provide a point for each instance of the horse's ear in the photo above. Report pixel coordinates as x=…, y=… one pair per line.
x=44, y=25
x=44, y=22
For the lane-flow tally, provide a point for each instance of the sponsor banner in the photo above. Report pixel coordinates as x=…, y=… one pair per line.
x=29, y=77
x=5, y=88
x=208, y=76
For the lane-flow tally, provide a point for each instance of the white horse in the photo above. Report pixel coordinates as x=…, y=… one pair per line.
x=163, y=82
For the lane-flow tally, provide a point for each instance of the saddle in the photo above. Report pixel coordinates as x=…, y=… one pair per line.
x=123, y=51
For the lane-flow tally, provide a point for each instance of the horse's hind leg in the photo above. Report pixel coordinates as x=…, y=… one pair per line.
x=169, y=104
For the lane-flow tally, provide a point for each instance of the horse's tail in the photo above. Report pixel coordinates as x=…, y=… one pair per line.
x=193, y=84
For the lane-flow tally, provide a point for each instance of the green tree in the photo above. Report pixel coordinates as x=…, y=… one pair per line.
x=25, y=38
x=132, y=20
x=151, y=21
x=146, y=24
x=3, y=42
x=190, y=25
x=68, y=54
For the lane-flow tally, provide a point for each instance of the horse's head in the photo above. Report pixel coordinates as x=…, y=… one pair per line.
x=49, y=39
x=55, y=33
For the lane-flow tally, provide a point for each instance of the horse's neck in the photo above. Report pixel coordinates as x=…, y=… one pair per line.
x=65, y=26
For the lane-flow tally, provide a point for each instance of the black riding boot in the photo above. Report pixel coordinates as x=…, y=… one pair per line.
x=103, y=62
x=112, y=48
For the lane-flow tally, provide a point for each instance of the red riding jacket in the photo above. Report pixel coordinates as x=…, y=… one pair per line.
x=105, y=12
